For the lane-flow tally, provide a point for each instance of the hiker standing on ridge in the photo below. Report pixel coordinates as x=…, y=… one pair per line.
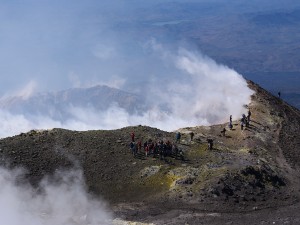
x=249, y=115
x=139, y=146
x=244, y=117
x=243, y=121
x=279, y=94
x=132, y=148
x=146, y=151
x=230, y=125
x=178, y=136
x=192, y=135
x=223, y=132
x=242, y=124
x=132, y=136
x=210, y=143
x=155, y=149
x=230, y=122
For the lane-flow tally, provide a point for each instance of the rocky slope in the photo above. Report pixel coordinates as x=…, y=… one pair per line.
x=250, y=172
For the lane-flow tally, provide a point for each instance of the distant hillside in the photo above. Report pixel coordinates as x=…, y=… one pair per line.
x=249, y=36
x=56, y=105
x=278, y=19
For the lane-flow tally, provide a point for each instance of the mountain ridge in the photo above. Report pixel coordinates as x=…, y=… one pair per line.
x=55, y=104
x=248, y=172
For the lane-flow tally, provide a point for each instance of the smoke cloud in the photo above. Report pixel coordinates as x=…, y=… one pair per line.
x=197, y=91
x=64, y=202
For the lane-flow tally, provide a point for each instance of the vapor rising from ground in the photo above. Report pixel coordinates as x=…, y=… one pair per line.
x=196, y=91
x=59, y=200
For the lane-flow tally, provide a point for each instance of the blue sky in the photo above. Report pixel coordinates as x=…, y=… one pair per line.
x=61, y=44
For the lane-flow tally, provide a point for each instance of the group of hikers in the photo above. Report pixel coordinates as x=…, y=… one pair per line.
x=245, y=122
x=178, y=136
x=162, y=149
x=159, y=148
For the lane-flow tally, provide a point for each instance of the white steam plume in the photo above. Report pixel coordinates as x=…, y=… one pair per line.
x=211, y=93
x=65, y=202
x=196, y=91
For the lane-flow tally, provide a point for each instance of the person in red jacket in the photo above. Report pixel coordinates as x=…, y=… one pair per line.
x=132, y=136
